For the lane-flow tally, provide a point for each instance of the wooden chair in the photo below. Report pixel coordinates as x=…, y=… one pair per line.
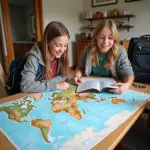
x=3, y=91
x=2, y=76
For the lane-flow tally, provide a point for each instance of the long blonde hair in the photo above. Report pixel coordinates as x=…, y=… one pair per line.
x=53, y=30
x=113, y=53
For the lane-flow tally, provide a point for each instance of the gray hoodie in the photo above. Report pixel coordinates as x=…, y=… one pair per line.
x=120, y=68
x=31, y=82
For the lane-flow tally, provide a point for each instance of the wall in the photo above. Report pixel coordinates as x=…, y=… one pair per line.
x=68, y=12
x=138, y=8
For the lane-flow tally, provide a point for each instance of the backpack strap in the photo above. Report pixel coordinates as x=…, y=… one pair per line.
x=40, y=72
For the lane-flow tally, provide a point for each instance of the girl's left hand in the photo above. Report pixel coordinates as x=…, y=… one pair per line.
x=121, y=88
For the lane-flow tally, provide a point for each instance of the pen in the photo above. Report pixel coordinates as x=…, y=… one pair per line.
x=138, y=86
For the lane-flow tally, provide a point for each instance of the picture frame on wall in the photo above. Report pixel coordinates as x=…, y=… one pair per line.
x=96, y=3
x=131, y=0
x=33, y=28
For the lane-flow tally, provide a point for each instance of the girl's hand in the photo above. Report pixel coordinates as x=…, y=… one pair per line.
x=77, y=80
x=122, y=87
x=62, y=85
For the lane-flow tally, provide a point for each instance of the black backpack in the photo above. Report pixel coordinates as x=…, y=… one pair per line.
x=14, y=75
x=139, y=55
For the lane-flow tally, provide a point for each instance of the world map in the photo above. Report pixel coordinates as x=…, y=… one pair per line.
x=66, y=120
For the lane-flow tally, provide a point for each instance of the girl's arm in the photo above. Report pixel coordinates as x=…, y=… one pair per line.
x=126, y=71
x=129, y=79
x=78, y=73
x=28, y=81
x=80, y=69
x=77, y=77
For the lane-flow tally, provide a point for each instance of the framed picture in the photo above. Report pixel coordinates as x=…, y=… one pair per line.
x=96, y=3
x=33, y=28
x=131, y=0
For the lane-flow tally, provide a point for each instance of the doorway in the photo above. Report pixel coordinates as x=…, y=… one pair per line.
x=18, y=39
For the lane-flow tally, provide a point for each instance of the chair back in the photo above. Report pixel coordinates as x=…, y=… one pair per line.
x=2, y=76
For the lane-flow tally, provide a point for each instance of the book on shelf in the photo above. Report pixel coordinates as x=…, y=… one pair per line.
x=96, y=85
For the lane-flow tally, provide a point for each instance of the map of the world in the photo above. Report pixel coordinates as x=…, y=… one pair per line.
x=66, y=120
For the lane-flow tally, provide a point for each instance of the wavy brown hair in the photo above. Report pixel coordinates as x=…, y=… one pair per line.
x=113, y=53
x=53, y=30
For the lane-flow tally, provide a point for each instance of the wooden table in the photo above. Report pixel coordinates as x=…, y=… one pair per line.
x=109, y=143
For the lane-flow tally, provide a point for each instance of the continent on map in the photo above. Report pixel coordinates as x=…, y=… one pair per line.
x=69, y=101
x=18, y=110
x=117, y=100
x=70, y=108
x=44, y=126
x=36, y=96
x=72, y=96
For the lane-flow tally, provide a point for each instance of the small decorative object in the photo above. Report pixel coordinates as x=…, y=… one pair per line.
x=125, y=12
x=131, y=0
x=33, y=28
x=105, y=14
x=115, y=12
x=121, y=23
x=96, y=3
x=94, y=16
x=99, y=15
x=89, y=15
x=83, y=36
x=89, y=37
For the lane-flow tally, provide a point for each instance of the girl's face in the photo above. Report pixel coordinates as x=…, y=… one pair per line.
x=58, y=46
x=104, y=40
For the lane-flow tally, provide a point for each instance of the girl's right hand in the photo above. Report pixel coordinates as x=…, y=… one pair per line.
x=62, y=85
x=77, y=80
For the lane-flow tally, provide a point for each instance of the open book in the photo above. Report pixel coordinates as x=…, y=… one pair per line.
x=96, y=85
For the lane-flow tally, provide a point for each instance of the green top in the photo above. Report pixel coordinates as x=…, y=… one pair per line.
x=99, y=70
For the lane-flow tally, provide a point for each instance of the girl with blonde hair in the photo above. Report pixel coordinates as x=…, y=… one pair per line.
x=104, y=56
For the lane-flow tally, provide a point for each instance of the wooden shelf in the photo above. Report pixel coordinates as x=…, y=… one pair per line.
x=91, y=27
x=124, y=26
x=112, y=17
x=20, y=49
x=88, y=27
x=84, y=41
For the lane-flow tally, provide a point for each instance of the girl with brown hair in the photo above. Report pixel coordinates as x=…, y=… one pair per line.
x=51, y=56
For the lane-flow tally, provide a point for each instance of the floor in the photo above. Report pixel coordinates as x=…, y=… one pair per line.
x=138, y=137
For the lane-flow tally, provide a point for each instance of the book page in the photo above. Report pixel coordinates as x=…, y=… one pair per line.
x=100, y=79
x=87, y=85
x=103, y=82
x=108, y=84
